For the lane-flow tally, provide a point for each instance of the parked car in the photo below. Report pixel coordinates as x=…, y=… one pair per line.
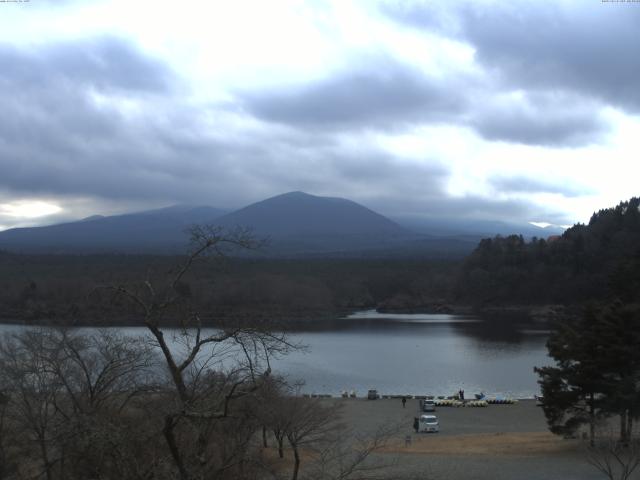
x=373, y=395
x=428, y=406
x=539, y=401
x=428, y=424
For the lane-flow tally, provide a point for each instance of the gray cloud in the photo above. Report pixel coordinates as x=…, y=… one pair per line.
x=521, y=184
x=143, y=145
x=537, y=118
x=392, y=95
x=385, y=94
x=106, y=64
x=585, y=48
x=58, y=139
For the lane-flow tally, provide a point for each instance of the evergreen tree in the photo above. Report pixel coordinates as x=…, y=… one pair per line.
x=597, y=372
x=620, y=330
x=573, y=389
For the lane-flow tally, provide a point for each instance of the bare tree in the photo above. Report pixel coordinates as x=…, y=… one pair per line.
x=350, y=456
x=99, y=371
x=33, y=394
x=64, y=391
x=617, y=461
x=209, y=370
x=270, y=410
x=314, y=431
x=7, y=460
x=311, y=423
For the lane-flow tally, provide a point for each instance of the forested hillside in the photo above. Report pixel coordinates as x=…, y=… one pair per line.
x=593, y=261
x=58, y=288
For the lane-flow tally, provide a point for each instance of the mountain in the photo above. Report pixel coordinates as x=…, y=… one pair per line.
x=474, y=230
x=297, y=223
x=300, y=214
x=153, y=231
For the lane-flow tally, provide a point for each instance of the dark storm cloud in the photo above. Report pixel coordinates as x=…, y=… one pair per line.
x=520, y=184
x=588, y=48
x=541, y=119
x=57, y=138
x=384, y=94
x=585, y=48
x=391, y=95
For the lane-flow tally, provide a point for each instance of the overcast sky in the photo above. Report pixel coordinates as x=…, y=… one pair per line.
x=512, y=110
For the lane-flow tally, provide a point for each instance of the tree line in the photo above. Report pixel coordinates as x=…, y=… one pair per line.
x=587, y=262
x=57, y=289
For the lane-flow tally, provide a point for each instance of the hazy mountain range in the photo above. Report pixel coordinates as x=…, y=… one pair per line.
x=296, y=224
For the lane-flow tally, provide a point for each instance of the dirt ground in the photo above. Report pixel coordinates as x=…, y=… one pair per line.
x=531, y=443
x=498, y=442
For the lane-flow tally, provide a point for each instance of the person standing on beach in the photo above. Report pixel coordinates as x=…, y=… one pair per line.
x=404, y=401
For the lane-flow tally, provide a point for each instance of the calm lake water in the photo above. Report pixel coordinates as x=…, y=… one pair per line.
x=420, y=354
x=412, y=354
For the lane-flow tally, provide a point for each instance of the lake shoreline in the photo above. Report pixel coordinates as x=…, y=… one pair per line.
x=536, y=313
x=302, y=320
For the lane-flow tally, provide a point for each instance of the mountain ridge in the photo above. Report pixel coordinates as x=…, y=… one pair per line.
x=300, y=214
x=297, y=224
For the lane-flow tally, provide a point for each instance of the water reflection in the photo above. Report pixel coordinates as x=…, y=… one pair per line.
x=508, y=329
x=421, y=354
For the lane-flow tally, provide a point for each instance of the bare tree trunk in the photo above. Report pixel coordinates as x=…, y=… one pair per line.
x=592, y=421
x=623, y=428
x=280, y=447
x=296, y=463
x=202, y=446
x=173, y=448
x=45, y=458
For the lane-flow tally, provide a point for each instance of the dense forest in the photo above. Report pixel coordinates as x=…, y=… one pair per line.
x=61, y=288
x=588, y=262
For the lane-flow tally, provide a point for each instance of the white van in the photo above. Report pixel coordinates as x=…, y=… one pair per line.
x=429, y=424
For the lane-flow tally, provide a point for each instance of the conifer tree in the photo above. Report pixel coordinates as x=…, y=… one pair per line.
x=620, y=364
x=573, y=389
x=597, y=372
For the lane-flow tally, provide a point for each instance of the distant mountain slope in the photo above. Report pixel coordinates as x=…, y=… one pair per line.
x=153, y=231
x=300, y=214
x=474, y=229
x=297, y=225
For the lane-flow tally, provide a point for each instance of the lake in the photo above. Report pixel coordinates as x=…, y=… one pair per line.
x=417, y=354
x=420, y=354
